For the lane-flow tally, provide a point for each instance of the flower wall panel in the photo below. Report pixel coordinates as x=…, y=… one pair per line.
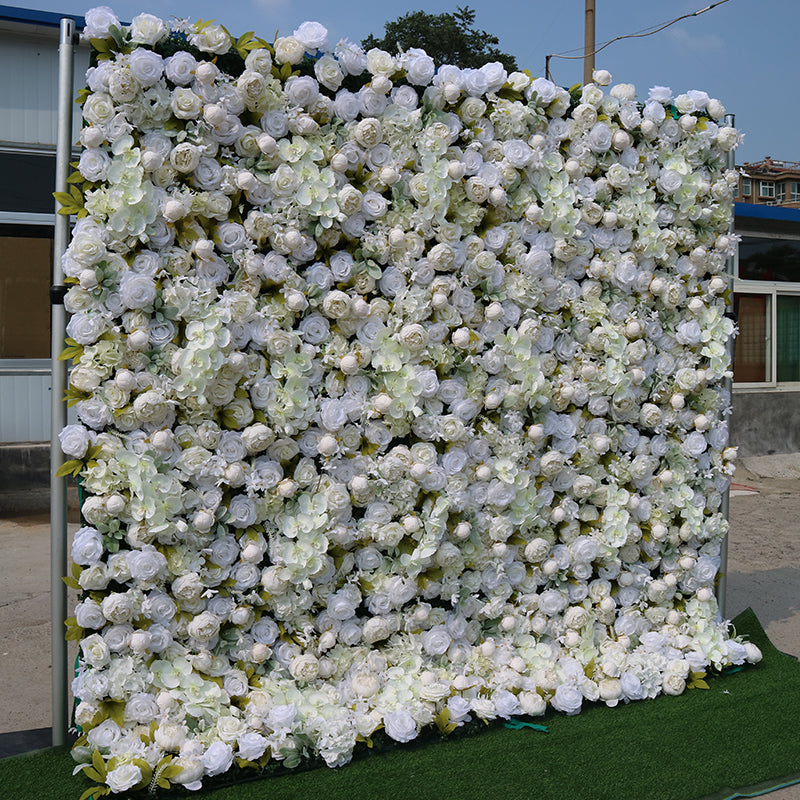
x=399, y=393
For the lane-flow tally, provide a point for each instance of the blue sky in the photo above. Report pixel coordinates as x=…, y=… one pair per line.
x=743, y=52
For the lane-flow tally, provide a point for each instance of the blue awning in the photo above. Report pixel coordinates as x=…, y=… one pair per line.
x=759, y=211
x=50, y=19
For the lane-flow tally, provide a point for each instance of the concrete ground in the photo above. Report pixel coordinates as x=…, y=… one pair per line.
x=764, y=573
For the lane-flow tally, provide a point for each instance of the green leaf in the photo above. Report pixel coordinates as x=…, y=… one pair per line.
x=65, y=198
x=93, y=791
x=442, y=720
x=71, y=352
x=71, y=467
x=99, y=764
x=101, y=45
x=147, y=772
x=72, y=583
x=171, y=771
x=114, y=709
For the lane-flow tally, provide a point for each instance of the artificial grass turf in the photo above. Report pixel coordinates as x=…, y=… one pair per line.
x=739, y=737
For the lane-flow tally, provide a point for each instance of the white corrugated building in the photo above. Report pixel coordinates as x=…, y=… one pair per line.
x=29, y=42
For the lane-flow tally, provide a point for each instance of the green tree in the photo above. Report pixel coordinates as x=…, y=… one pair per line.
x=446, y=38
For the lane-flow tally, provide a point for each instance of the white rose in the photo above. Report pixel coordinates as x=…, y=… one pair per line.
x=86, y=328
x=147, y=29
x=217, y=758
x=117, y=607
x=123, y=777
x=74, y=441
x=365, y=684
x=552, y=602
x=400, y=725
x=95, y=651
x=212, y=39
x=180, y=67
x=184, y=157
x=99, y=109
x=419, y=66
x=436, y=641
x=313, y=36
x=87, y=546
x=251, y=746
x=146, y=565
x=302, y=90
x=185, y=103
x=304, y=668
x=152, y=407
x=88, y=614
x=376, y=629
x=146, y=66
x=93, y=164
x=568, y=699
x=204, y=627
x=288, y=50
x=137, y=291
x=99, y=22
x=368, y=132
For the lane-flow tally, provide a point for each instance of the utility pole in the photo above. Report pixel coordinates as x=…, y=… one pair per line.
x=588, y=43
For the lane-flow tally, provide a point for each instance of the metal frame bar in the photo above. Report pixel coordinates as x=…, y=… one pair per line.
x=725, y=508
x=58, y=408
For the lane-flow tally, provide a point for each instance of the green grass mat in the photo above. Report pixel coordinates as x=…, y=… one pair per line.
x=739, y=738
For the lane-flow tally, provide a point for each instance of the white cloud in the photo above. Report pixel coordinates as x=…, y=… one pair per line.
x=691, y=41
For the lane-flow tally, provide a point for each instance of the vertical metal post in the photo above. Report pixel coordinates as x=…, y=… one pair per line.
x=58, y=409
x=588, y=43
x=725, y=508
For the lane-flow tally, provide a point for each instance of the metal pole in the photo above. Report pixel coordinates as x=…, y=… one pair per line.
x=588, y=43
x=725, y=508
x=58, y=409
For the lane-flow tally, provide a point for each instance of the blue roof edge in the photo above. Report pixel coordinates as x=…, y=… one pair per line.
x=759, y=211
x=51, y=19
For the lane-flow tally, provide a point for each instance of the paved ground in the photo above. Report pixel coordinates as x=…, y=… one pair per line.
x=764, y=572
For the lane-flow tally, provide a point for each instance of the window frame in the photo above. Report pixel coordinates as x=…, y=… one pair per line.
x=767, y=189
x=27, y=366
x=771, y=289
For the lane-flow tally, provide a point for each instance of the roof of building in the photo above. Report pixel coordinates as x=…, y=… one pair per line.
x=772, y=167
x=50, y=19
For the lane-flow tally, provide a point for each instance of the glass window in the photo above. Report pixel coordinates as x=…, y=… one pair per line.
x=766, y=188
x=794, y=191
x=28, y=182
x=26, y=265
x=769, y=259
x=750, y=348
x=788, y=337
x=747, y=187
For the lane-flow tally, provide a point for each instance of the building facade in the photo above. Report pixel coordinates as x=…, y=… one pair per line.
x=770, y=182
x=766, y=375
x=28, y=127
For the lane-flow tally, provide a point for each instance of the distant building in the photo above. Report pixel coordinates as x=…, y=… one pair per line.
x=766, y=373
x=770, y=182
x=29, y=42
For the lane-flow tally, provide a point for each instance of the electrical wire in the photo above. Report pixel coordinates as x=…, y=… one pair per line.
x=638, y=35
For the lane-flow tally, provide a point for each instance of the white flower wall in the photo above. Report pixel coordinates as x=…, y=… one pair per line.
x=400, y=397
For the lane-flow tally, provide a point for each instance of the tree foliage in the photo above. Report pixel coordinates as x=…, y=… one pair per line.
x=446, y=38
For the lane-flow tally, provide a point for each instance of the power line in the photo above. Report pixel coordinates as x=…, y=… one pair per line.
x=637, y=35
